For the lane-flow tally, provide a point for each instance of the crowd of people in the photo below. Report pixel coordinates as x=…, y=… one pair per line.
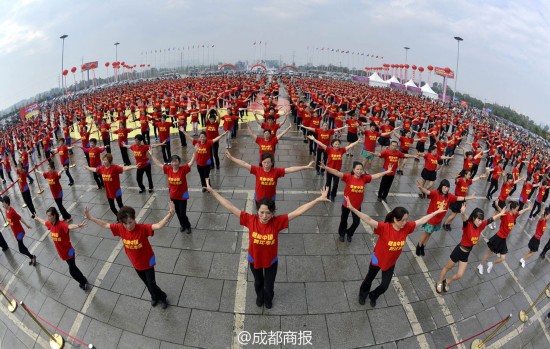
x=330, y=117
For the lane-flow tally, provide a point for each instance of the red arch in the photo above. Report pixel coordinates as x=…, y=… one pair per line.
x=227, y=65
x=289, y=67
x=259, y=65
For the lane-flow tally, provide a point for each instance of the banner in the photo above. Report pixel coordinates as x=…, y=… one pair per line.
x=414, y=90
x=441, y=72
x=30, y=111
x=88, y=66
x=464, y=104
x=398, y=86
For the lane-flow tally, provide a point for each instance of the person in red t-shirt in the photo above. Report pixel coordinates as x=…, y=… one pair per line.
x=164, y=134
x=322, y=136
x=462, y=184
x=212, y=132
x=472, y=227
x=392, y=235
x=505, y=191
x=59, y=232
x=355, y=190
x=135, y=237
x=334, y=161
x=230, y=122
x=142, y=162
x=93, y=154
x=268, y=143
x=439, y=198
x=63, y=151
x=24, y=187
x=526, y=190
x=263, y=240
x=266, y=175
x=497, y=172
x=541, y=196
x=429, y=172
x=144, y=127
x=105, y=130
x=14, y=220
x=534, y=242
x=497, y=243
x=110, y=174
x=55, y=187
x=177, y=185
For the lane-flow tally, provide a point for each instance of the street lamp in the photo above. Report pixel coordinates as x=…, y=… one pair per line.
x=116, y=60
x=458, y=40
x=62, y=37
x=406, y=50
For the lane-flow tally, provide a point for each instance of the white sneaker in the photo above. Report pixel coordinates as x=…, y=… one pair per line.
x=522, y=263
x=492, y=226
x=480, y=269
x=489, y=267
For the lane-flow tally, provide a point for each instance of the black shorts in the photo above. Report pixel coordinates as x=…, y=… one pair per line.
x=420, y=147
x=352, y=137
x=533, y=244
x=383, y=141
x=428, y=175
x=500, y=204
x=404, y=151
x=497, y=245
x=459, y=256
x=456, y=206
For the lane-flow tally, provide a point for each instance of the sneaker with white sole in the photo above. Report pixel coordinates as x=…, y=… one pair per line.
x=480, y=269
x=489, y=267
x=522, y=262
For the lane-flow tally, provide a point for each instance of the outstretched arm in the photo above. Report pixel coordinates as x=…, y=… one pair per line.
x=160, y=224
x=422, y=189
x=426, y=218
x=284, y=132
x=362, y=216
x=156, y=161
x=310, y=137
x=223, y=201
x=91, y=169
x=380, y=174
x=238, y=161
x=305, y=207
x=331, y=170
x=97, y=221
x=300, y=168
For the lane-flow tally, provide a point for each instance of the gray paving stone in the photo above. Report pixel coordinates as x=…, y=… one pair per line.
x=314, y=323
x=291, y=244
x=220, y=324
x=213, y=221
x=168, y=324
x=67, y=322
x=225, y=266
x=341, y=268
x=166, y=259
x=320, y=244
x=414, y=343
x=130, y=340
x=304, y=268
x=290, y=298
x=424, y=316
x=389, y=324
x=193, y=241
x=55, y=285
x=201, y=293
x=130, y=314
x=102, y=335
x=220, y=241
x=128, y=283
x=103, y=305
x=193, y=263
x=349, y=330
x=326, y=297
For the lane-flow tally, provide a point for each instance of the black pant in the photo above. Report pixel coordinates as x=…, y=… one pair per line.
x=203, y=119
x=385, y=185
x=107, y=145
x=68, y=173
x=513, y=190
x=182, y=139
x=343, y=227
x=181, y=212
x=2, y=174
x=8, y=173
x=3, y=242
x=147, y=171
x=473, y=172
x=493, y=187
x=264, y=281
x=98, y=180
x=166, y=152
x=148, y=278
x=371, y=274
x=75, y=272
x=146, y=137
x=312, y=144
x=536, y=209
x=23, y=249
x=28, y=200
x=204, y=173
x=546, y=247
x=214, y=155
x=332, y=184
x=320, y=154
x=125, y=158
x=112, y=204
x=62, y=209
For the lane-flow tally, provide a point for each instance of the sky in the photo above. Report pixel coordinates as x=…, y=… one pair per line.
x=501, y=59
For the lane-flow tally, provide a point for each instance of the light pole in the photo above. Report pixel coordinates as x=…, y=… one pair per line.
x=62, y=37
x=116, y=58
x=458, y=40
x=406, y=50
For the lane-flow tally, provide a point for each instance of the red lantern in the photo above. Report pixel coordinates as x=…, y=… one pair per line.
x=447, y=70
x=93, y=66
x=83, y=67
x=107, y=64
x=123, y=63
x=430, y=68
x=421, y=69
x=73, y=70
x=148, y=65
x=65, y=72
x=406, y=66
x=413, y=67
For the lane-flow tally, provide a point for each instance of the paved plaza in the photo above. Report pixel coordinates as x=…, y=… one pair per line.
x=210, y=289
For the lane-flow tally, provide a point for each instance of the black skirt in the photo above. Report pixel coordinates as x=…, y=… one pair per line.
x=497, y=245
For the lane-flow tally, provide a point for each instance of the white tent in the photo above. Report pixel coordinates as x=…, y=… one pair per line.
x=411, y=83
x=376, y=81
x=428, y=92
x=393, y=79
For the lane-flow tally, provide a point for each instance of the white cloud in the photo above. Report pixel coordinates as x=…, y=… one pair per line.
x=14, y=36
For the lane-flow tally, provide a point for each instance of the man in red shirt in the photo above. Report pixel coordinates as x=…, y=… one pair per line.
x=164, y=134
x=14, y=221
x=105, y=130
x=267, y=143
x=94, y=156
x=142, y=162
x=135, y=237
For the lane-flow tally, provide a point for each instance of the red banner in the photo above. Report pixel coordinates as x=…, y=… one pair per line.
x=464, y=104
x=29, y=111
x=441, y=72
x=88, y=66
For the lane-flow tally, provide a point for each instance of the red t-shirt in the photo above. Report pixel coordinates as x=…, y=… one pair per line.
x=461, y=186
x=211, y=129
x=541, y=227
x=55, y=186
x=111, y=179
x=525, y=191
x=140, y=153
x=391, y=158
x=470, y=234
x=263, y=239
x=267, y=146
x=61, y=239
x=63, y=152
x=95, y=155
x=177, y=182
x=355, y=189
x=136, y=244
x=430, y=161
x=203, y=153
x=405, y=142
x=14, y=220
x=496, y=173
x=105, y=130
x=266, y=182
x=144, y=123
x=164, y=130
x=541, y=192
x=505, y=191
x=352, y=125
x=334, y=157
x=369, y=143
x=324, y=136
x=22, y=179
x=390, y=244
x=436, y=199
x=507, y=223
